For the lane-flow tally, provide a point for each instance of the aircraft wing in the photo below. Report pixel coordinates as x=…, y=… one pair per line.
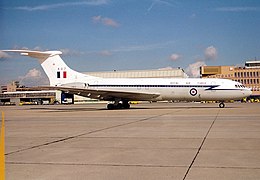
x=108, y=95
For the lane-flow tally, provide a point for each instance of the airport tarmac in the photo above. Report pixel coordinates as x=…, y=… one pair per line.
x=150, y=141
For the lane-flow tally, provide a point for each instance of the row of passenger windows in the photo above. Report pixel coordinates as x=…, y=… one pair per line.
x=255, y=88
x=248, y=81
x=247, y=74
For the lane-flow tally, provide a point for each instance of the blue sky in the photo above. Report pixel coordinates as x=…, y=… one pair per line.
x=103, y=35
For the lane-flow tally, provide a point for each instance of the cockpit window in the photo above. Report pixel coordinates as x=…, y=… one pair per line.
x=240, y=86
x=237, y=86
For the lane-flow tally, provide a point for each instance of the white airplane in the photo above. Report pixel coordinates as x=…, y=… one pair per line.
x=122, y=90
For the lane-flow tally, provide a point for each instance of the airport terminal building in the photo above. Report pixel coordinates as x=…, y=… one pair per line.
x=249, y=75
x=154, y=73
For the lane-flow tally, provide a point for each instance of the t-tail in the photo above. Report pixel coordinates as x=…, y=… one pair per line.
x=55, y=68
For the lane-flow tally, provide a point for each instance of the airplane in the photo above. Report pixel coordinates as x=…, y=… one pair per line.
x=120, y=91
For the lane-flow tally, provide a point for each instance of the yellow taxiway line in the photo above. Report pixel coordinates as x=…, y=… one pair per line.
x=2, y=149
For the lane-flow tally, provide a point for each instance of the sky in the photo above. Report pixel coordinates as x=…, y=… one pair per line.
x=107, y=35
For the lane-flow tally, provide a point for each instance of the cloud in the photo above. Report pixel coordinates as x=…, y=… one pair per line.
x=156, y=2
x=175, y=57
x=151, y=7
x=61, y=5
x=96, y=19
x=145, y=47
x=238, y=9
x=71, y=52
x=167, y=68
x=110, y=22
x=193, y=15
x=105, y=21
x=105, y=53
x=210, y=53
x=36, y=48
x=193, y=70
x=4, y=55
x=34, y=77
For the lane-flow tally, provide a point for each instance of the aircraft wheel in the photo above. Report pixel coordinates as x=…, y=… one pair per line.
x=126, y=106
x=119, y=106
x=221, y=105
x=110, y=106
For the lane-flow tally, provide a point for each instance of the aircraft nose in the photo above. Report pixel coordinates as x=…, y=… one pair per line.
x=248, y=92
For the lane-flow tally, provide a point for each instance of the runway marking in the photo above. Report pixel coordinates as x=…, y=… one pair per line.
x=89, y=164
x=87, y=133
x=204, y=139
x=2, y=150
x=128, y=165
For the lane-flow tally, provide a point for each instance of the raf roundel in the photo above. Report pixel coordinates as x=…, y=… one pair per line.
x=193, y=92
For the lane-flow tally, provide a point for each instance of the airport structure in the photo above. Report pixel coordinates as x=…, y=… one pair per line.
x=249, y=75
x=14, y=94
x=154, y=73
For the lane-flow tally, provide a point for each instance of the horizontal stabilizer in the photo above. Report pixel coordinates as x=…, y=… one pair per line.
x=41, y=55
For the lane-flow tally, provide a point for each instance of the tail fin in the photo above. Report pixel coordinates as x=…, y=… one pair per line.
x=55, y=68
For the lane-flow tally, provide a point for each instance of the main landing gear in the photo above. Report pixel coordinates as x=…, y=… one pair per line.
x=118, y=105
x=221, y=105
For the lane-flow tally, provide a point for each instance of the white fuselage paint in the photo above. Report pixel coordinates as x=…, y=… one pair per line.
x=190, y=89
